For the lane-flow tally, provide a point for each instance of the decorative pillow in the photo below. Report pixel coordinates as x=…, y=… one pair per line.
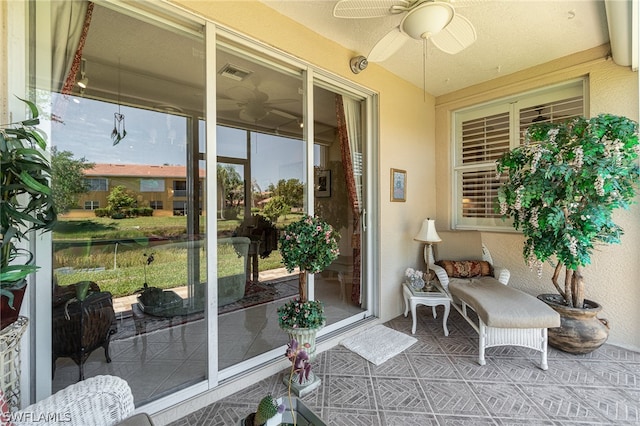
x=466, y=268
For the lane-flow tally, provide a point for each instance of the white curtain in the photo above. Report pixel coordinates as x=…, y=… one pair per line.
x=353, y=121
x=67, y=20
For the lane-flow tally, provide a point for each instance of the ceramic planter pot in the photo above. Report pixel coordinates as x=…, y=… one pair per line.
x=580, y=331
x=303, y=336
x=9, y=315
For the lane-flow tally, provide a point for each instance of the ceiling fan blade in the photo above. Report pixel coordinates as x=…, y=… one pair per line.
x=241, y=93
x=456, y=36
x=281, y=101
x=387, y=45
x=357, y=9
x=283, y=114
x=225, y=104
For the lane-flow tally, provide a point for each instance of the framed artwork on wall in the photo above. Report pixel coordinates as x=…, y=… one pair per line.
x=398, y=185
x=323, y=183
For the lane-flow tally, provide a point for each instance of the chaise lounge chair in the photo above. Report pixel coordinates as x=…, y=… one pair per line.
x=505, y=316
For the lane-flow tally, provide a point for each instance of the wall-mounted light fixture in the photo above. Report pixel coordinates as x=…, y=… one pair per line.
x=359, y=63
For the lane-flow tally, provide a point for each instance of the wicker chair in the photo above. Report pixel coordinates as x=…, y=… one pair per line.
x=98, y=401
x=81, y=327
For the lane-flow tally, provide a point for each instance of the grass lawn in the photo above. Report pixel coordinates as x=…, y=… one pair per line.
x=113, y=252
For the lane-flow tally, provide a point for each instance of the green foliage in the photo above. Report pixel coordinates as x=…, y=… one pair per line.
x=231, y=188
x=291, y=190
x=67, y=179
x=267, y=408
x=120, y=198
x=101, y=212
x=564, y=184
x=301, y=314
x=27, y=199
x=275, y=208
x=310, y=244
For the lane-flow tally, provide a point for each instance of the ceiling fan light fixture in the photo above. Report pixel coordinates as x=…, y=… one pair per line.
x=427, y=19
x=84, y=80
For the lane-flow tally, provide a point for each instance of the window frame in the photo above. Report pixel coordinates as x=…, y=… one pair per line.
x=513, y=105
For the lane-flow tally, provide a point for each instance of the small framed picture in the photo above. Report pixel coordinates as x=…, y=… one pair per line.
x=323, y=183
x=398, y=185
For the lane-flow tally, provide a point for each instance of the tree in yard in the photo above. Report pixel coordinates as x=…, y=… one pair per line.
x=67, y=179
x=120, y=198
x=291, y=190
x=230, y=187
x=275, y=208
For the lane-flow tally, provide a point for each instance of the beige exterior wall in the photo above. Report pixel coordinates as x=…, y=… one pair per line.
x=167, y=197
x=611, y=279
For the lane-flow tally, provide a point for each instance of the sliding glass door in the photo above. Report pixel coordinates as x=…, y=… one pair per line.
x=127, y=125
x=129, y=183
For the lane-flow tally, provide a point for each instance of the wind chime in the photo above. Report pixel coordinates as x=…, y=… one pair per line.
x=119, y=132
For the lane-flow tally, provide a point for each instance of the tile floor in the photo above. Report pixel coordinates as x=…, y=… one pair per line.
x=437, y=381
x=158, y=363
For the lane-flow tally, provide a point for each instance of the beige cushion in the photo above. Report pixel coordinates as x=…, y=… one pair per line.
x=502, y=306
x=459, y=245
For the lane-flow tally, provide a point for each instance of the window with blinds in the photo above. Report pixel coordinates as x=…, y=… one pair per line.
x=483, y=134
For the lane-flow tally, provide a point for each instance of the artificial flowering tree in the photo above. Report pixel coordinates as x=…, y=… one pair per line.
x=309, y=244
x=563, y=185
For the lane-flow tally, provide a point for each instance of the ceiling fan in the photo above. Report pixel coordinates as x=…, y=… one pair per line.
x=434, y=20
x=253, y=105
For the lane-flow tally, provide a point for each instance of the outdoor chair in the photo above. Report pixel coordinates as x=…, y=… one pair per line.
x=505, y=316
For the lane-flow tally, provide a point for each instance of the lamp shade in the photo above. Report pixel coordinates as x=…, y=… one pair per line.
x=428, y=233
x=427, y=19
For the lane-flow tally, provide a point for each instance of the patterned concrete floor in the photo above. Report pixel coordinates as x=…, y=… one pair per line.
x=437, y=381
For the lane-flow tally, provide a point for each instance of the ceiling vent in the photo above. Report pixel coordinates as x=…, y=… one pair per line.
x=234, y=72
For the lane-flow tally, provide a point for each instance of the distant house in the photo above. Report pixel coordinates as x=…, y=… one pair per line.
x=163, y=188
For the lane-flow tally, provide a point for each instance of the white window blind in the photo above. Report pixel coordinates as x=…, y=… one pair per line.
x=484, y=133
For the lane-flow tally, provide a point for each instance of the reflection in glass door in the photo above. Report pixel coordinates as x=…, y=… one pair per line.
x=338, y=176
x=130, y=188
x=262, y=186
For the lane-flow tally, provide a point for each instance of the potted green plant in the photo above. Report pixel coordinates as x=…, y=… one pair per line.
x=563, y=184
x=269, y=413
x=309, y=244
x=27, y=204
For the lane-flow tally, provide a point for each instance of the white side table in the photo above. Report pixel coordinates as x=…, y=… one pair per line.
x=436, y=297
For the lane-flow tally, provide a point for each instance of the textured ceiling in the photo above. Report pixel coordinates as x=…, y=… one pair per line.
x=512, y=35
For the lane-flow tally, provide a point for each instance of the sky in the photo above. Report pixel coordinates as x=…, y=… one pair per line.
x=156, y=138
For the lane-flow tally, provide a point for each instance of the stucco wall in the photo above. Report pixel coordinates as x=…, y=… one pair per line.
x=611, y=279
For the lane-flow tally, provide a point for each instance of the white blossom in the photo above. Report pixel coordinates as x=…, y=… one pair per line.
x=533, y=218
x=578, y=160
x=573, y=244
x=599, y=185
x=552, y=133
x=518, y=203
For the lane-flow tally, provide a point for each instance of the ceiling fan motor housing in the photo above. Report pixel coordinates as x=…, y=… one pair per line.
x=427, y=19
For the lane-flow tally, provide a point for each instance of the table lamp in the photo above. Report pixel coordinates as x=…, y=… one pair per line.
x=428, y=235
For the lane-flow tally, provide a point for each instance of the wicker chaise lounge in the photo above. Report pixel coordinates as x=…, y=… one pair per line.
x=505, y=316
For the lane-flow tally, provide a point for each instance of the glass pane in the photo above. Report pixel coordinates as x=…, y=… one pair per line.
x=339, y=285
x=130, y=187
x=261, y=185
